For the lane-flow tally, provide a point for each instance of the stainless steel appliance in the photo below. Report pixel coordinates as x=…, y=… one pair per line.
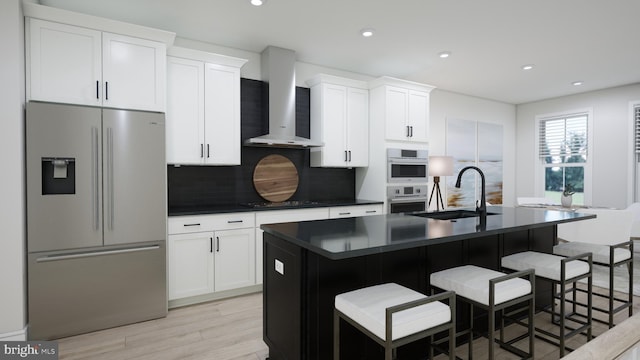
x=407, y=166
x=278, y=71
x=96, y=218
x=407, y=199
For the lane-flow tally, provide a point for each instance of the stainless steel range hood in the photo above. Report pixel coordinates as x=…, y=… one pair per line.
x=278, y=72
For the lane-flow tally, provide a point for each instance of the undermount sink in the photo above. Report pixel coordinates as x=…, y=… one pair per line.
x=450, y=215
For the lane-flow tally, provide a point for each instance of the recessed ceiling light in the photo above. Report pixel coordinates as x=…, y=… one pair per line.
x=576, y=83
x=527, y=67
x=445, y=54
x=368, y=32
x=257, y=2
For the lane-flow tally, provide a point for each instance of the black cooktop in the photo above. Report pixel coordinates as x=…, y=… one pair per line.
x=289, y=203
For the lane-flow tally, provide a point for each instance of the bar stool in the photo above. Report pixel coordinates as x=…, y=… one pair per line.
x=492, y=291
x=560, y=271
x=608, y=256
x=607, y=237
x=394, y=315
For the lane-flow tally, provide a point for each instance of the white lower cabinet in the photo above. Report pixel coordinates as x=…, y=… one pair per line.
x=210, y=253
x=190, y=264
x=234, y=259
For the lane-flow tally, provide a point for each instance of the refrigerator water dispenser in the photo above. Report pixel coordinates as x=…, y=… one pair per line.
x=58, y=176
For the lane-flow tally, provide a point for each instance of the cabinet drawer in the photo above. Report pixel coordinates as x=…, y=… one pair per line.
x=199, y=223
x=352, y=211
x=279, y=216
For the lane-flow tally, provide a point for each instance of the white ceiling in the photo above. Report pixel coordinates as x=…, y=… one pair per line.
x=594, y=41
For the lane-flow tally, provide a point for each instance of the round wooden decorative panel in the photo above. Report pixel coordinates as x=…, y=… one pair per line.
x=275, y=178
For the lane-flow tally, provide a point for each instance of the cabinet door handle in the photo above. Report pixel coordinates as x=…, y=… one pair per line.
x=349, y=155
x=345, y=156
x=207, y=151
x=217, y=244
x=97, y=89
x=106, y=90
x=211, y=245
x=408, y=132
x=411, y=131
x=344, y=213
x=194, y=224
x=371, y=211
x=234, y=221
x=201, y=150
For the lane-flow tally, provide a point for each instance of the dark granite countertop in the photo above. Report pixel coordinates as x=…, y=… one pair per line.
x=351, y=237
x=229, y=208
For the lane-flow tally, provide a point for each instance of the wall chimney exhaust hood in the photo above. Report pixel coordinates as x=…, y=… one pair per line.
x=278, y=72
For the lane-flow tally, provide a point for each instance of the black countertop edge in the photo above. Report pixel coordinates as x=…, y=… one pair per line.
x=232, y=208
x=268, y=228
x=420, y=243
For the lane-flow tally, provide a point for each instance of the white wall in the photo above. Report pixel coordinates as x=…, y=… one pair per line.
x=12, y=198
x=611, y=185
x=445, y=104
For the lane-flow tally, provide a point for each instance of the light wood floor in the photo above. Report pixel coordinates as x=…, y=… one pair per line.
x=231, y=329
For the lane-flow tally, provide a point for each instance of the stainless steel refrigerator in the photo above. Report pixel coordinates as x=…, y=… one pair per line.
x=96, y=218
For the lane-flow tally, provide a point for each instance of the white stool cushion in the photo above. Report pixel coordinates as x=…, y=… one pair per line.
x=368, y=306
x=600, y=252
x=472, y=282
x=545, y=265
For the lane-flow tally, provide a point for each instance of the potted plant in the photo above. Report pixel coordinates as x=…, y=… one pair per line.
x=567, y=197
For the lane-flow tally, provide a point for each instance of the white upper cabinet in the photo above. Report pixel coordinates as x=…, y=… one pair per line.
x=405, y=106
x=79, y=65
x=65, y=63
x=203, y=108
x=222, y=114
x=133, y=72
x=340, y=119
x=185, y=111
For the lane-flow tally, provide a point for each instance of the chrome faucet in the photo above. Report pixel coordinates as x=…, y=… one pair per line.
x=482, y=209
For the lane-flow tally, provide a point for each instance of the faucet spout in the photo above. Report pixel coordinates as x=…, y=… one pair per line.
x=482, y=209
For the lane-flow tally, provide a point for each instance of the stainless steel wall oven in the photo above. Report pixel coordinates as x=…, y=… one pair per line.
x=407, y=199
x=407, y=166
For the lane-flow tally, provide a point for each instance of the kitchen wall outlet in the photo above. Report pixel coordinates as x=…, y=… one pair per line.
x=280, y=267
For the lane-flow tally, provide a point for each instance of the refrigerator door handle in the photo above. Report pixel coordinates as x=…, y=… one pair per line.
x=95, y=182
x=95, y=253
x=109, y=177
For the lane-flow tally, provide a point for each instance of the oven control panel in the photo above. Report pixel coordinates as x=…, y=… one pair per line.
x=399, y=192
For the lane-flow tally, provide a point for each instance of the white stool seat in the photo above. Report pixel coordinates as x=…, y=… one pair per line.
x=601, y=253
x=472, y=282
x=545, y=265
x=368, y=308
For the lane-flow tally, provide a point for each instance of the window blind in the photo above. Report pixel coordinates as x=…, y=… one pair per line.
x=566, y=137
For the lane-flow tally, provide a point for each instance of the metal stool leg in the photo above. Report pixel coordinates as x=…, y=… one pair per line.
x=492, y=330
x=471, y=333
x=562, y=316
x=336, y=335
x=611, y=298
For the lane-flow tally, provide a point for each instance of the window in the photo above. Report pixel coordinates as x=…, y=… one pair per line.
x=563, y=150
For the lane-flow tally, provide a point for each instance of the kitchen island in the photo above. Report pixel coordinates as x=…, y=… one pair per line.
x=307, y=263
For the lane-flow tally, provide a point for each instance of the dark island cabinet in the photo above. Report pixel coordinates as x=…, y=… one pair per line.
x=306, y=264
